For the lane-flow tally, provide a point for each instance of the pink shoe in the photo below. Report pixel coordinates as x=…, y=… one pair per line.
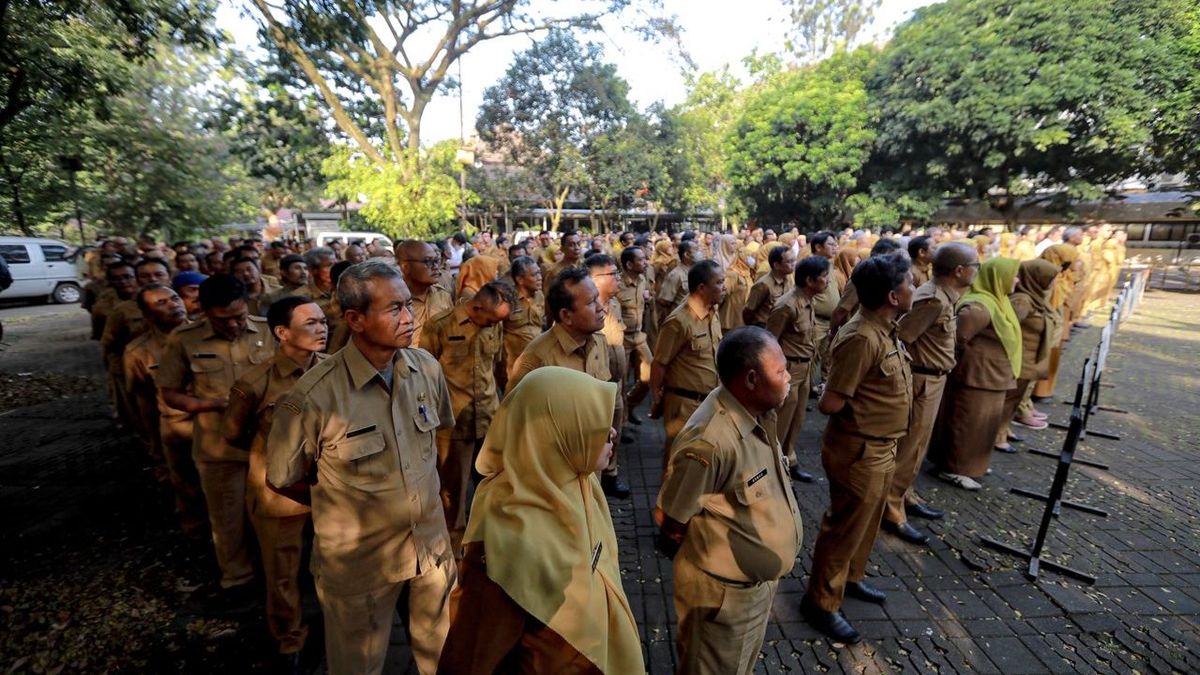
x=1031, y=422
x=1038, y=414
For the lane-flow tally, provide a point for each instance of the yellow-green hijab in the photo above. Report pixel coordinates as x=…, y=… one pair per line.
x=990, y=289
x=543, y=518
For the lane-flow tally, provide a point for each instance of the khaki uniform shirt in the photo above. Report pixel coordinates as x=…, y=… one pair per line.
x=929, y=327
x=556, y=347
x=524, y=323
x=793, y=322
x=632, y=296
x=270, y=266
x=764, y=294
x=247, y=425
x=922, y=274
x=825, y=302
x=196, y=358
x=435, y=302
x=552, y=271
x=728, y=483
x=468, y=355
x=982, y=361
x=674, y=288
x=370, y=454
x=614, y=326
x=124, y=323
x=141, y=364
x=687, y=348
x=849, y=299
x=869, y=366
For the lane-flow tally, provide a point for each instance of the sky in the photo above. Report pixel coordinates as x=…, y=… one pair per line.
x=714, y=36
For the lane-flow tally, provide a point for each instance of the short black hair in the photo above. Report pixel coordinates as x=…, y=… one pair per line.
x=243, y=259
x=289, y=260
x=336, y=271
x=280, y=312
x=559, y=297
x=810, y=268
x=497, y=292
x=247, y=248
x=741, y=350
x=521, y=265
x=877, y=276
x=776, y=254
x=516, y=249
x=628, y=254
x=595, y=260
x=151, y=261
x=687, y=235
x=460, y=238
x=685, y=245
x=703, y=272
x=884, y=247
x=141, y=301
x=820, y=238
x=918, y=244
x=221, y=290
x=117, y=265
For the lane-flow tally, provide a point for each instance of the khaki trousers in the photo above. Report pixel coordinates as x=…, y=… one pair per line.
x=860, y=473
x=456, y=462
x=620, y=364
x=823, y=344
x=281, y=541
x=185, y=481
x=676, y=411
x=639, y=359
x=721, y=626
x=358, y=627
x=911, y=449
x=793, y=410
x=224, y=485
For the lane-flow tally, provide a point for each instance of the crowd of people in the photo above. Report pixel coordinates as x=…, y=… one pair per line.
x=348, y=399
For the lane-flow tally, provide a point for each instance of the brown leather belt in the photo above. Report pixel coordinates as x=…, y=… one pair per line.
x=687, y=393
x=798, y=359
x=929, y=371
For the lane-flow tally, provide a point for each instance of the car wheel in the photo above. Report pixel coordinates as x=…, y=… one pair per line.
x=66, y=294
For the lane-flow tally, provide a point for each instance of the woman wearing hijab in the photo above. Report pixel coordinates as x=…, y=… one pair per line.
x=989, y=360
x=1063, y=255
x=663, y=261
x=539, y=584
x=843, y=265
x=1039, y=330
x=738, y=280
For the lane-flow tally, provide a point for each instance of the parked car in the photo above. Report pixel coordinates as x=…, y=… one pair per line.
x=41, y=269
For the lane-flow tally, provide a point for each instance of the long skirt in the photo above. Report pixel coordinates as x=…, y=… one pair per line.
x=966, y=429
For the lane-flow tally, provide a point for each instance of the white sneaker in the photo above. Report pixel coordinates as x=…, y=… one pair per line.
x=964, y=482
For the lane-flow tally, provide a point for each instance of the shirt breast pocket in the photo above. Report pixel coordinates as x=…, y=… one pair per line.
x=754, y=487
x=211, y=377
x=427, y=423
x=360, y=460
x=701, y=343
x=891, y=369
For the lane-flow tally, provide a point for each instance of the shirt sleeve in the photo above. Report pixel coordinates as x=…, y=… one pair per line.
x=919, y=319
x=670, y=341
x=293, y=444
x=666, y=292
x=850, y=362
x=849, y=298
x=173, y=370
x=694, y=473
x=972, y=318
x=431, y=340
x=445, y=408
x=779, y=319
x=758, y=293
x=525, y=364
x=238, y=422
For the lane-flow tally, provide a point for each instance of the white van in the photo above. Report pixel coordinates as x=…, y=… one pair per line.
x=40, y=269
x=361, y=238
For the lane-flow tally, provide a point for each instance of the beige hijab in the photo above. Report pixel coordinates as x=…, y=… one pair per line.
x=543, y=519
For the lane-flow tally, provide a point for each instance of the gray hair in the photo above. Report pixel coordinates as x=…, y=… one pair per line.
x=313, y=256
x=353, y=292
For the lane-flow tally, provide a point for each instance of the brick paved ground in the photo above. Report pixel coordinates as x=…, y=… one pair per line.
x=89, y=549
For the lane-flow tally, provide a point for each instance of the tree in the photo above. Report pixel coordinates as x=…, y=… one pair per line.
x=400, y=202
x=695, y=133
x=820, y=28
x=1176, y=130
x=553, y=104
x=626, y=168
x=995, y=99
x=801, y=140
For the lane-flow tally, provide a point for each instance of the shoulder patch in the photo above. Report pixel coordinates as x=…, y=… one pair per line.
x=688, y=454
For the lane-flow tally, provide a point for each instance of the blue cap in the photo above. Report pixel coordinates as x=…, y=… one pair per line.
x=187, y=279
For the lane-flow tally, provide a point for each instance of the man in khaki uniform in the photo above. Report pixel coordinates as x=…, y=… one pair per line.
x=320, y=288
x=572, y=256
x=920, y=252
x=684, y=370
x=199, y=365
x=674, y=289
x=122, y=285
x=123, y=323
x=421, y=263
x=792, y=323
x=359, y=431
x=259, y=288
x=929, y=331
x=727, y=503
x=848, y=303
x=299, y=326
x=528, y=315
x=468, y=343
x=770, y=287
x=634, y=296
x=169, y=429
x=868, y=397
x=824, y=244
x=603, y=271
x=293, y=277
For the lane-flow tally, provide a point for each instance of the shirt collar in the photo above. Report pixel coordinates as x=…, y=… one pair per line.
x=209, y=333
x=743, y=421
x=285, y=366
x=460, y=314
x=565, y=341
x=361, y=371
x=692, y=308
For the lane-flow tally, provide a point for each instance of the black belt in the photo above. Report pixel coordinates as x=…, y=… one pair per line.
x=798, y=359
x=731, y=582
x=687, y=393
x=929, y=371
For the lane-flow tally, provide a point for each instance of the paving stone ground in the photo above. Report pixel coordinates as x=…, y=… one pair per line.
x=86, y=528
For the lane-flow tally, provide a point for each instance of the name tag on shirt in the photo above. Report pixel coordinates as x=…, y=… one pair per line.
x=360, y=432
x=596, y=555
x=756, y=477
x=457, y=338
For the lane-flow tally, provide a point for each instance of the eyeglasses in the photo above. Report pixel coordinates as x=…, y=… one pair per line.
x=430, y=262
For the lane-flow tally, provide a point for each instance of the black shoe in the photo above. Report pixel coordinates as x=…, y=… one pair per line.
x=799, y=474
x=832, y=624
x=290, y=664
x=634, y=419
x=1010, y=450
x=906, y=532
x=614, y=487
x=861, y=590
x=232, y=601
x=924, y=511
x=1013, y=438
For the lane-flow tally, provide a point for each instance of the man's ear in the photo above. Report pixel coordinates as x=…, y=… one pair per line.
x=354, y=320
x=893, y=299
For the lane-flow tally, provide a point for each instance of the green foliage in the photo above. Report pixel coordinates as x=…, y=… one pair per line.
x=1177, y=85
x=822, y=27
x=696, y=132
x=801, y=140
x=401, y=201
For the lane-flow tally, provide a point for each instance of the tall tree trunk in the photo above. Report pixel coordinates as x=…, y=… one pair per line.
x=14, y=189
